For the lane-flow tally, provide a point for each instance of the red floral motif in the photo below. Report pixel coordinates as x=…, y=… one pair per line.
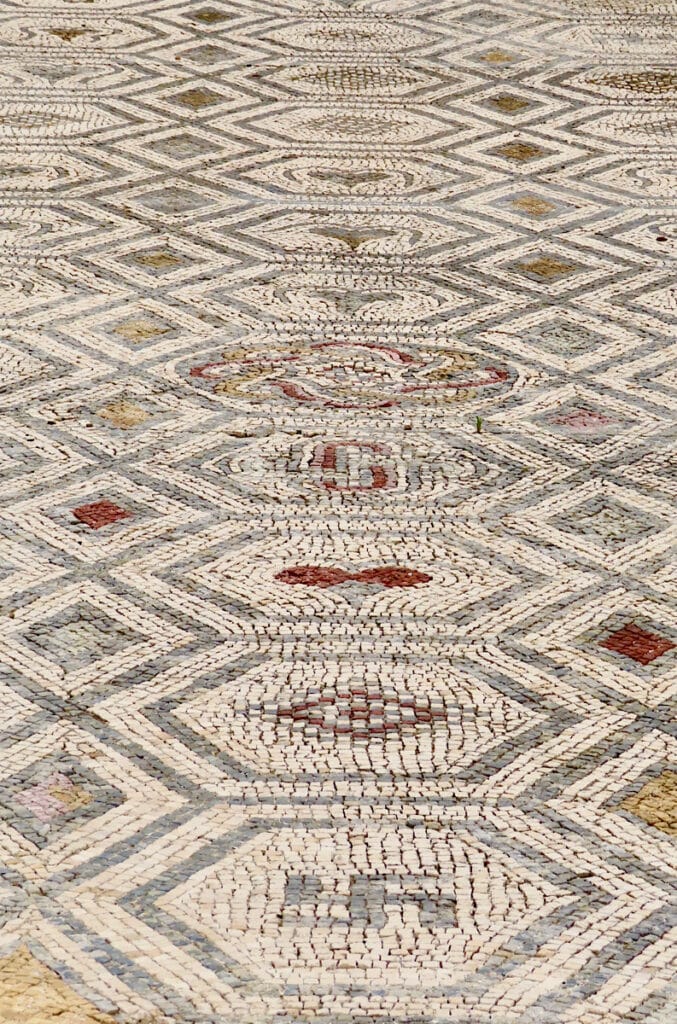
x=351, y=375
x=328, y=576
x=362, y=714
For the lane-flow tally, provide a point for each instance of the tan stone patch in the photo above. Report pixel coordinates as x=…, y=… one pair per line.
x=140, y=330
x=509, y=104
x=157, y=260
x=533, y=205
x=210, y=17
x=124, y=414
x=520, y=151
x=656, y=803
x=547, y=267
x=72, y=798
x=497, y=57
x=31, y=993
x=196, y=98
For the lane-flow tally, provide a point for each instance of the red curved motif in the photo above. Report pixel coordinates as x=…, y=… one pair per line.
x=383, y=473
x=496, y=377
x=330, y=576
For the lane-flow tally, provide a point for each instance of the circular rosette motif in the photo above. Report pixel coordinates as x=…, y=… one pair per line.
x=354, y=375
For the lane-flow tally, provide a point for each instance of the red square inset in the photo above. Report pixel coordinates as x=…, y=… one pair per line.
x=100, y=513
x=636, y=643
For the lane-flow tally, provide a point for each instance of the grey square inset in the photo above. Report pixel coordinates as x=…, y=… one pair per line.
x=563, y=338
x=608, y=523
x=78, y=637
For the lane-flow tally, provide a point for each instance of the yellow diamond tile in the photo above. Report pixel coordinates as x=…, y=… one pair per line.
x=197, y=98
x=123, y=414
x=157, y=260
x=520, y=151
x=497, y=57
x=140, y=330
x=547, y=267
x=509, y=104
x=656, y=803
x=533, y=205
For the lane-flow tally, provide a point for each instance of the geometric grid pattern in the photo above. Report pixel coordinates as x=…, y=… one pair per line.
x=338, y=651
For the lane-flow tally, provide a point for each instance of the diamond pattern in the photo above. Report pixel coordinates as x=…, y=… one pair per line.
x=337, y=657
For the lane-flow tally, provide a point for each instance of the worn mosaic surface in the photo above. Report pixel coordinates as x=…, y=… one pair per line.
x=337, y=411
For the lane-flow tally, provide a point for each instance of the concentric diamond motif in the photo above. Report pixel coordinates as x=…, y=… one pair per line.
x=379, y=719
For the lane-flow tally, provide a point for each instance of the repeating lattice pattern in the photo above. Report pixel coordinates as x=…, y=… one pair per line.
x=338, y=651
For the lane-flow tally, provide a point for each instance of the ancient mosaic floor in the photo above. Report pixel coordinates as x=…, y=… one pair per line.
x=338, y=647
